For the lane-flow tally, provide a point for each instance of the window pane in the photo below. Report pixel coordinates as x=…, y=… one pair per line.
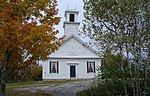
x=53, y=67
x=90, y=67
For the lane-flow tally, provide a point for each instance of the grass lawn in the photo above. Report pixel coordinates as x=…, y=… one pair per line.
x=10, y=92
x=11, y=86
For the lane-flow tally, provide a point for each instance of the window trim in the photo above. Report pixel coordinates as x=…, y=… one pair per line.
x=89, y=62
x=56, y=64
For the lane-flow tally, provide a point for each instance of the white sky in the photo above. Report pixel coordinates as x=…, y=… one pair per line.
x=72, y=4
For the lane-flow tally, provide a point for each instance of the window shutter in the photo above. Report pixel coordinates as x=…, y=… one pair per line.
x=57, y=67
x=94, y=67
x=87, y=67
x=50, y=67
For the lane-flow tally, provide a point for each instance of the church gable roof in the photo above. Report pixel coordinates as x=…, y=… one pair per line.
x=73, y=47
x=73, y=36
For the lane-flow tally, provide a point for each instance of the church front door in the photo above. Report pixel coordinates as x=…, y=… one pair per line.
x=72, y=71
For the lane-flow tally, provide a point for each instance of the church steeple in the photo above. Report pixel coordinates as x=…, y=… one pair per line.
x=70, y=24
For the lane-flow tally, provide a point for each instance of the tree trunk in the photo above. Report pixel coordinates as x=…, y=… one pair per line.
x=124, y=80
x=146, y=71
x=130, y=70
x=3, y=74
x=2, y=80
x=147, y=64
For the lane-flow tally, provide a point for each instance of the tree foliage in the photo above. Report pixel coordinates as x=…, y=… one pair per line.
x=123, y=26
x=111, y=67
x=27, y=33
x=111, y=79
x=25, y=73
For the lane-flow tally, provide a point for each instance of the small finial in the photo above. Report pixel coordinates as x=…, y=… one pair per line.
x=67, y=6
x=75, y=6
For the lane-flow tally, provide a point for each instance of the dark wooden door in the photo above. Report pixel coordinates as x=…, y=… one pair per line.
x=72, y=71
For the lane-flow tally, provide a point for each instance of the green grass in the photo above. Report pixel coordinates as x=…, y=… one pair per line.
x=36, y=83
x=10, y=92
x=11, y=86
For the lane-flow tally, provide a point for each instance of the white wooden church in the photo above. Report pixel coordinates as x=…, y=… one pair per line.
x=73, y=59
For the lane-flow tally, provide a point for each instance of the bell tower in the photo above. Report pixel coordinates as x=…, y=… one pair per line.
x=70, y=25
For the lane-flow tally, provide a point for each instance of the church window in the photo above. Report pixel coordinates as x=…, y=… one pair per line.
x=54, y=67
x=72, y=18
x=90, y=67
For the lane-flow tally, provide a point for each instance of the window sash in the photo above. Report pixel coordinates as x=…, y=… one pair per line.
x=92, y=65
x=56, y=66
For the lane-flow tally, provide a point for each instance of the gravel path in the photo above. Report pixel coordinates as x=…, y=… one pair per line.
x=65, y=89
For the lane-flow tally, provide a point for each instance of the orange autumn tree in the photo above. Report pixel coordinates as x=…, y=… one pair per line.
x=27, y=33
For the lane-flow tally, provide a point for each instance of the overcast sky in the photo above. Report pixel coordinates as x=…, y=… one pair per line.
x=70, y=4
